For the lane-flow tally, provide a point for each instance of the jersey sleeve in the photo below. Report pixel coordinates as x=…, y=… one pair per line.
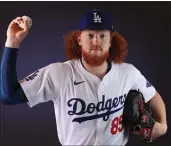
x=40, y=86
x=143, y=85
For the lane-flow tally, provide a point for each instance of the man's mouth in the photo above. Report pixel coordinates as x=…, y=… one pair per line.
x=96, y=49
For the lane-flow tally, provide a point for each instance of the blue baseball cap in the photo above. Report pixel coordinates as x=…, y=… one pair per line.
x=95, y=20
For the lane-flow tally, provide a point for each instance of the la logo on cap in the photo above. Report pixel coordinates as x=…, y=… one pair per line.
x=97, y=18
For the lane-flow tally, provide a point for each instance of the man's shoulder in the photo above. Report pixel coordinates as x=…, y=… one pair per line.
x=124, y=66
x=66, y=65
x=71, y=62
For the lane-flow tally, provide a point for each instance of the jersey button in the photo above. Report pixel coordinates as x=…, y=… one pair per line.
x=101, y=92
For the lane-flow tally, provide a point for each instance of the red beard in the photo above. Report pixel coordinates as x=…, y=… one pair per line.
x=95, y=60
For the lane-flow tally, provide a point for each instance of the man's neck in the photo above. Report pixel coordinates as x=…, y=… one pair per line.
x=99, y=71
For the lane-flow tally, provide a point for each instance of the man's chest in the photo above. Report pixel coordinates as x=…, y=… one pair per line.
x=95, y=99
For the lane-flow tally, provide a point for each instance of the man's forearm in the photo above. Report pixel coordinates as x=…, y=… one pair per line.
x=158, y=108
x=158, y=130
x=11, y=91
x=159, y=114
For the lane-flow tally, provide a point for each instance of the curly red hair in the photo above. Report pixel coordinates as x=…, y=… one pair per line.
x=117, y=52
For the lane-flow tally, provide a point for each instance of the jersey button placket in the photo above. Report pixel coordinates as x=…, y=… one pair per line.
x=101, y=90
x=99, y=134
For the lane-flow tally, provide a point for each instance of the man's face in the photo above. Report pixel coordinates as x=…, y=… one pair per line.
x=95, y=46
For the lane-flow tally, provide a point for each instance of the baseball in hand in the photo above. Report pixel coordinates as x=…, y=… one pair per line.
x=29, y=21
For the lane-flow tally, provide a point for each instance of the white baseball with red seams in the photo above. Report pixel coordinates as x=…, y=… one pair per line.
x=88, y=110
x=29, y=21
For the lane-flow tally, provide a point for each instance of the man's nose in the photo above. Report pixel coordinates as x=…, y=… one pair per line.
x=95, y=40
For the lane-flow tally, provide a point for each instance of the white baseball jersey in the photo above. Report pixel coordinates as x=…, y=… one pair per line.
x=88, y=110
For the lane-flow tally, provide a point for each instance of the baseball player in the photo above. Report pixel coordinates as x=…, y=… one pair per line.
x=88, y=90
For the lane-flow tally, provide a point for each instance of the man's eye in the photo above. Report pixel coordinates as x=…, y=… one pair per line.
x=102, y=36
x=90, y=35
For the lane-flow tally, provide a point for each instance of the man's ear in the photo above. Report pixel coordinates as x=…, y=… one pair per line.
x=79, y=38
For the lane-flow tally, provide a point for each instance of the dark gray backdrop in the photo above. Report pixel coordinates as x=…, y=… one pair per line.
x=145, y=25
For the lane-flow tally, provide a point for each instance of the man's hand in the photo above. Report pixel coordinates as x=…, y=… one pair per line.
x=16, y=32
